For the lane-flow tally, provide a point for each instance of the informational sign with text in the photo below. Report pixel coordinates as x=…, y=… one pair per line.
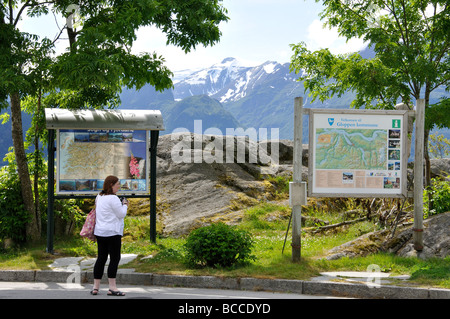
x=357, y=153
x=86, y=157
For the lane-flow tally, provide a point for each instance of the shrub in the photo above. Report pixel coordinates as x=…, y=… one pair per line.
x=218, y=245
x=13, y=216
x=439, y=192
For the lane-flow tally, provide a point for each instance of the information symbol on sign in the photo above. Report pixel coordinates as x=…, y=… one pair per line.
x=395, y=123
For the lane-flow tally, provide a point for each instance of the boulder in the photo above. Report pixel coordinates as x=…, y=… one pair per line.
x=436, y=240
x=440, y=167
x=203, y=177
x=362, y=246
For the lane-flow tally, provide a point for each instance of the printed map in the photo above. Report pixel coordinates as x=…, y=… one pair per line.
x=364, y=149
x=87, y=157
x=92, y=159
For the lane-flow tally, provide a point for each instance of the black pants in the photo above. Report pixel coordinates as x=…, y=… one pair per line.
x=107, y=246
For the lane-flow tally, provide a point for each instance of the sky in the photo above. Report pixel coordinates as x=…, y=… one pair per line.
x=257, y=31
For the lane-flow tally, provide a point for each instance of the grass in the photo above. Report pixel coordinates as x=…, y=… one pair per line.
x=267, y=222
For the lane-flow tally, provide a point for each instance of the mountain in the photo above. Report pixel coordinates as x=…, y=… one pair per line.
x=230, y=95
x=5, y=134
x=258, y=97
x=146, y=98
x=261, y=96
x=211, y=81
x=229, y=81
x=182, y=114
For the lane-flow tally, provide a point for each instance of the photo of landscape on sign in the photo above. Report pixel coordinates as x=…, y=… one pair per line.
x=357, y=154
x=87, y=157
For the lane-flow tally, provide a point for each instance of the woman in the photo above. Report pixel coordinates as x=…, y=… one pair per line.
x=110, y=213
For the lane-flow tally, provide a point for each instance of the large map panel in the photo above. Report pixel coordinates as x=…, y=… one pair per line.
x=87, y=157
x=357, y=153
x=351, y=149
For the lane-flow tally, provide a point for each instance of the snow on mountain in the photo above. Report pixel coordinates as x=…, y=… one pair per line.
x=207, y=81
x=227, y=81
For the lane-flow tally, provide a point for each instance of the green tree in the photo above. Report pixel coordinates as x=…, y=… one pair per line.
x=439, y=146
x=97, y=63
x=411, y=40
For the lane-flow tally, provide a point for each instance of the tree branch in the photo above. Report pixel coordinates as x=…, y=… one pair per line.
x=405, y=23
x=57, y=37
x=20, y=12
x=27, y=4
x=398, y=22
x=10, y=12
x=318, y=229
x=443, y=82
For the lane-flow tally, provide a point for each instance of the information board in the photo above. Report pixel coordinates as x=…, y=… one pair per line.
x=357, y=153
x=86, y=157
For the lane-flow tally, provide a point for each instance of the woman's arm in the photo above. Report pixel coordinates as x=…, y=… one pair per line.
x=119, y=210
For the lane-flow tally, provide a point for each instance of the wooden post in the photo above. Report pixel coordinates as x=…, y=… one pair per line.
x=418, y=176
x=297, y=178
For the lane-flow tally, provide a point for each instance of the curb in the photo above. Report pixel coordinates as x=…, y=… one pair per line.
x=323, y=288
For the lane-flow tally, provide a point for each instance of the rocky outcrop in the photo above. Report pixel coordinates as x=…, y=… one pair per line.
x=440, y=167
x=202, y=177
x=205, y=178
x=436, y=240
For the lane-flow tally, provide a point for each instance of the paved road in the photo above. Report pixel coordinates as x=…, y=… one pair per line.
x=51, y=290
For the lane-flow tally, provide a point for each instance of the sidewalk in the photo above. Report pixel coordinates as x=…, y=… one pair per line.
x=350, y=284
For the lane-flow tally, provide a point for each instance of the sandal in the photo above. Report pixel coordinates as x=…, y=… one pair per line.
x=94, y=292
x=115, y=293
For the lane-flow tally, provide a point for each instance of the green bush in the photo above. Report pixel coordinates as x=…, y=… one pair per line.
x=218, y=245
x=439, y=192
x=13, y=216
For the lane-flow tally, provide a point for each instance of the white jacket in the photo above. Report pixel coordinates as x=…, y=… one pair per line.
x=110, y=214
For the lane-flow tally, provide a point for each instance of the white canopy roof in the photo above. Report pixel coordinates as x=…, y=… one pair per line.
x=150, y=120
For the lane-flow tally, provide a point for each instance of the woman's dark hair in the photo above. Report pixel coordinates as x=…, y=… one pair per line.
x=108, y=184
